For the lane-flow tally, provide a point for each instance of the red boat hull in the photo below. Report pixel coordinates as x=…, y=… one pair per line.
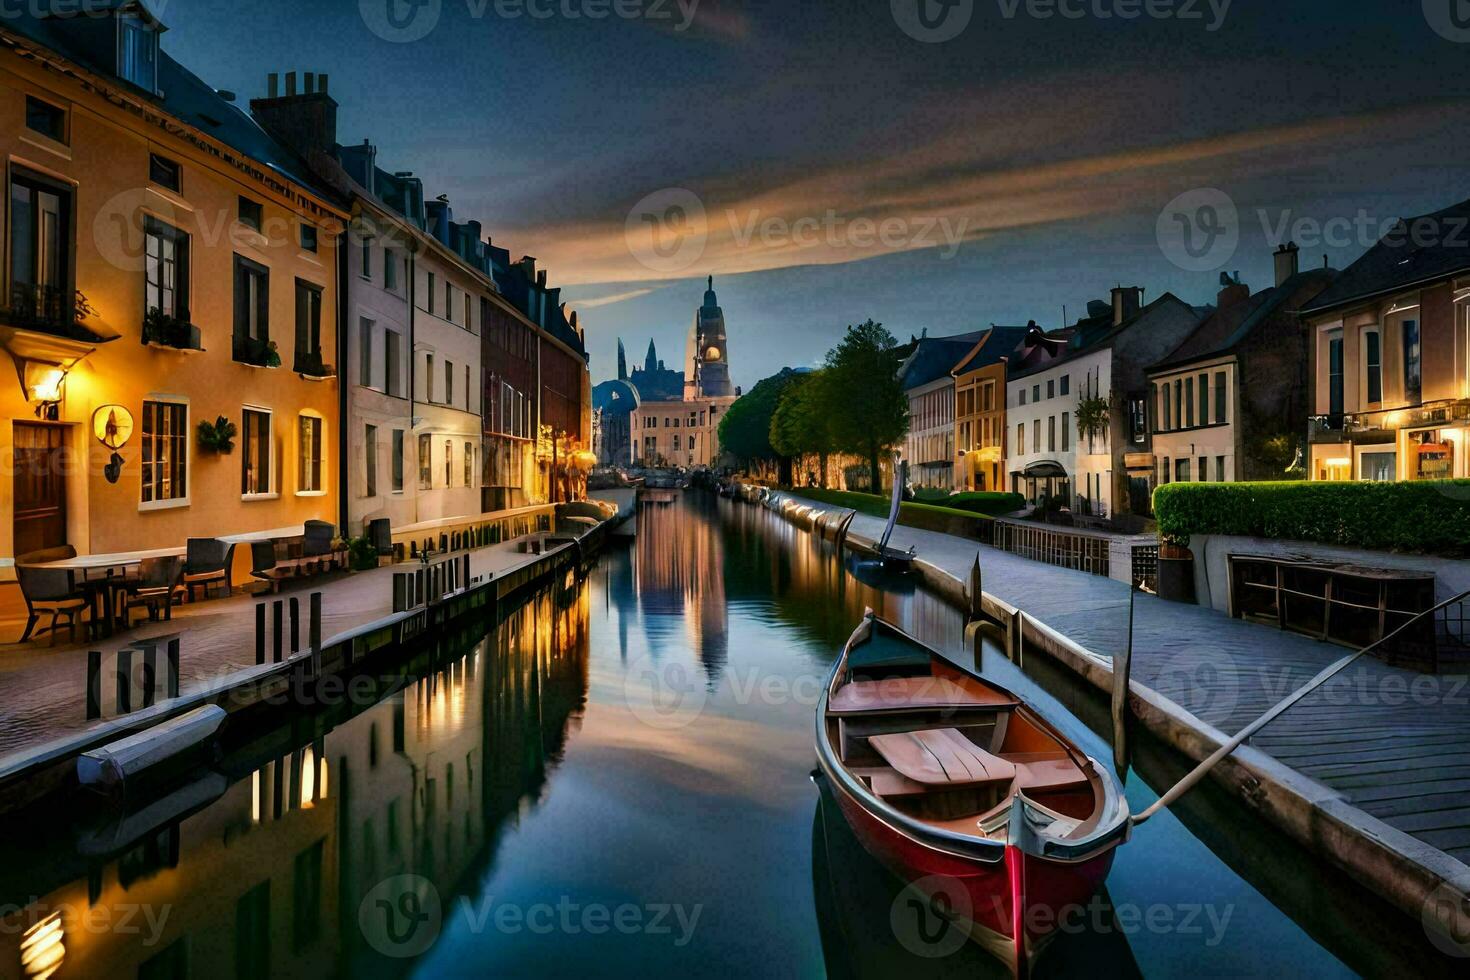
x=1054, y=892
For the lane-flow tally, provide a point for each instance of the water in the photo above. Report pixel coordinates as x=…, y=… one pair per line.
x=616, y=782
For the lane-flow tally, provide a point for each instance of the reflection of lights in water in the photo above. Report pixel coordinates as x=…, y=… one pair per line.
x=308, y=778
x=41, y=948
x=255, y=796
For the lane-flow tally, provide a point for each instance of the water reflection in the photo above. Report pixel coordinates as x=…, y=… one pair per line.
x=505, y=783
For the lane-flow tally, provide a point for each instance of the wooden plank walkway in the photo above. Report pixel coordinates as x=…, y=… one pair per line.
x=1394, y=743
x=42, y=688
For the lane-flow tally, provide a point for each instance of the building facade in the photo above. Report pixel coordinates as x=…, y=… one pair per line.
x=1210, y=427
x=170, y=265
x=980, y=410
x=1389, y=370
x=927, y=376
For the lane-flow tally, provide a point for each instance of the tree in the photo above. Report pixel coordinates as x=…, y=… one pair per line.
x=800, y=425
x=745, y=431
x=867, y=409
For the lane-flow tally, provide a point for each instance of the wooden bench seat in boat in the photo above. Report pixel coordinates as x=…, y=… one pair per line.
x=941, y=757
x=898, y=693
x=1038, y=772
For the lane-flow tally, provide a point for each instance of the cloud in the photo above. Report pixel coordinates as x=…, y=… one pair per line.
x=589, y=304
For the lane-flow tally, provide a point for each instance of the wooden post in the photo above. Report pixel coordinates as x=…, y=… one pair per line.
x=1122, y=668
x=150, y=674
x=173, y=667
x=398, y=596
x=259, y=633
x=295, y=625
x=976, y=595
x=314, y=634
x=124, y=681
x=419, y=595
x=277, y=609
x=94, y=684
x=466, y=560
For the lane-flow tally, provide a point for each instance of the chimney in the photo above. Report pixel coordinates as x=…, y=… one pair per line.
x=1232, y=291
x=304, y=121
x=1126, y=302
x=1287, y=262
x=528, y=267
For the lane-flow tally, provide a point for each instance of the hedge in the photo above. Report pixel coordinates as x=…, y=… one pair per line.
x=1425, y=517
x=875, y=506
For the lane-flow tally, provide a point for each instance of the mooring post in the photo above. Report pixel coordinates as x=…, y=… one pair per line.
x=94, y=684
x=466, y=560
x=173, y=667
x=150, y=674
x=295, y=625
x=419, y=595
x=124, y=681
x=1122, y=669
x=314, y=633
x=277, y=609
x=259, y=633
x=400, y=596
x=976, y=594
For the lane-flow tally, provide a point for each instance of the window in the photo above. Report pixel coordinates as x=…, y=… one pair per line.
x=309, y=456
x=1051, y=434
x=165, y=450
x=1023, y=396
x=1379, y=467
x=252, y=309
x=365, y=353
x=469, y=464
x=1138, y=419
x=1219, y=469
x=366, y=257
x=676, y=442
x=448, y=463
x=1036, y=392
x=1066, y=431
x=46, y=119
x=1051, y=389
x=165, y=172
x=1165, y=473
x=390, y=362
x=1204, y=399
x=309, y=329
x=370, y=458
x=390, y=270
x=40, y=252
x=1165, y=418
x=1021, y=439
x=1188, y=403
x=430, y=292
x=137, y=53
x=1178, y=404
x=255, y=462
x=165, y=269
x=1036, y=436
x=1204, y=469
x=1066, y=384
x=468, y=391
x=467, y=324
x=1334, y=373
x=429, y=378
x=398, y=460
x=1220, y=395
x=449, y=302
x=448, y=382
x=1373, y=365
x=1413, y=377
x=426, y=472
x=308, y=237
x=1181, y=471
x=252, y=214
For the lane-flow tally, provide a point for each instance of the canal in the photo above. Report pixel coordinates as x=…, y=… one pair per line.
x=616, y=782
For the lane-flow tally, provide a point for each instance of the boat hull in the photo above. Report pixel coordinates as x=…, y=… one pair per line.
x=1055, y=892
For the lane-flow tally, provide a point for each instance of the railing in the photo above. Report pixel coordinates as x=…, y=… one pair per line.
x=1067, y=549
x=1146, y=567
x=311, y=364
x=47, y=309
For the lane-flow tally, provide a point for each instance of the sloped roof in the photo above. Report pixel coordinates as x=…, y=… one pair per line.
x=183, y=94
x=996, y=343
x=934, y=357
x=1418, y=250
x=1225, y=330
x=1096, y=333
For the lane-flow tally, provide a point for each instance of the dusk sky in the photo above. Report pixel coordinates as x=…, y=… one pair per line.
x=847, y=169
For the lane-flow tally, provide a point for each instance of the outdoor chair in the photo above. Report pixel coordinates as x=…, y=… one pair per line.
x=317, y=543
x=380, y=533
x=263, y=565
x=158, y=582
x=207, y=563
x=50, y=591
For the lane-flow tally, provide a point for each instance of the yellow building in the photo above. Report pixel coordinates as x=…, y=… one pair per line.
x=980, y=410
x=165, y=267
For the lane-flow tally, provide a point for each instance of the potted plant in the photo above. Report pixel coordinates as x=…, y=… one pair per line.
x=1092, y=417
x=311, y=365
x=254, y=350
x=361, y=554
x=217, y=436
x=168, y=330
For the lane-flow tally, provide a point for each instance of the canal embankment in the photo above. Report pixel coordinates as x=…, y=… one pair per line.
x=1356, y=773
x=368, y=619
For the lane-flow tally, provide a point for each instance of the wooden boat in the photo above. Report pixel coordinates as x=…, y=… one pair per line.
x=953, y=782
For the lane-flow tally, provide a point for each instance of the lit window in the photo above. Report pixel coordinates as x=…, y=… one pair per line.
x=165, y=269
x=165, y=451
x=309, y=458
x=426, y=472
x=255, y=463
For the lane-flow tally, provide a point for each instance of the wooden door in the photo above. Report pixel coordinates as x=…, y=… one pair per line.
x=40, y=487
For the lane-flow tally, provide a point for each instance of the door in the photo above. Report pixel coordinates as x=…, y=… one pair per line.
x=40, y=487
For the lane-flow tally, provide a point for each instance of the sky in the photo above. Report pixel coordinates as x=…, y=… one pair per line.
x=935, y=165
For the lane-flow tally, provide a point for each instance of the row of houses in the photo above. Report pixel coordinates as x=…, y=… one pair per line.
x=1362, y=374
x=223, y=320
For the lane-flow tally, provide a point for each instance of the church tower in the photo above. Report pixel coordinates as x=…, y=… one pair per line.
x=708, y=359
x=622, y=362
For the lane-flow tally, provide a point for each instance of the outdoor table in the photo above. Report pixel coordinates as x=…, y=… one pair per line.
x=100, y=584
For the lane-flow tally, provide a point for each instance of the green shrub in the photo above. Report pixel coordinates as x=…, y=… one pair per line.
x=1428, y=517
x=362, y=554
x=990, y=504
x=876, y=506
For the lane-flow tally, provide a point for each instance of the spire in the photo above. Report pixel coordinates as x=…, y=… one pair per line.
x=650, y=363
x=622, y=362
x=710, y=302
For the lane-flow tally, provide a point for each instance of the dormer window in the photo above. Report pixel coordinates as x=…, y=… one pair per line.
x=137, y=52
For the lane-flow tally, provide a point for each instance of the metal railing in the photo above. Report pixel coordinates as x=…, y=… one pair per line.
x=1066, y=549
x=48, y=309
